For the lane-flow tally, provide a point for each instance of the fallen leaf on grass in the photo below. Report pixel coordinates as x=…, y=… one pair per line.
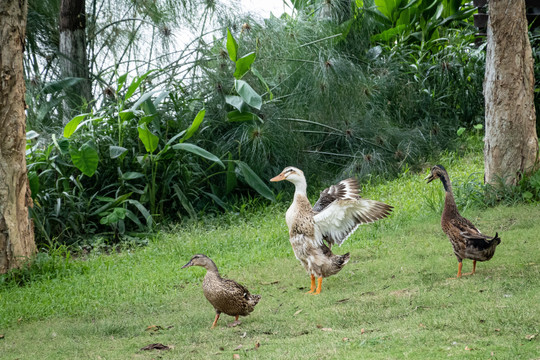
x=497, y=329
x=530, y=337
x=422, y=325
x=343, y=300
x=298, y=312
x=1, y=336
x=221, y=348
x=467, y=348
x=362, y=331
x=257, y=346
x=154, y=328
x=236, y=356
x=238, y=347
x=326, y=329
x=156, y=346
x=345, y=339
x=319, y=326
x=243, y=335
x=270, y=283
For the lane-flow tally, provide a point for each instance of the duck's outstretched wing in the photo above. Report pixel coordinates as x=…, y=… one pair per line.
x=338, y=220
x=344, y=190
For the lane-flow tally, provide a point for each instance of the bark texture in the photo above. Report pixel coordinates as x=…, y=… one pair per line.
x=73, y=58
x=511, y=142
x=16, y=228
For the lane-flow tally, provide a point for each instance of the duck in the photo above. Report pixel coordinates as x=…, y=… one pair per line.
x=467, y=241
x=335, y=216
x=226, y=296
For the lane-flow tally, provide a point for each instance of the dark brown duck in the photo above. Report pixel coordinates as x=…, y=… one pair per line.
x=468, y=242
x=226, y=296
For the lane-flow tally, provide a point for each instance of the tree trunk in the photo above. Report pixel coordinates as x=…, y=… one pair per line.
x=73, y=58
x=511, y=142
x=16, y=228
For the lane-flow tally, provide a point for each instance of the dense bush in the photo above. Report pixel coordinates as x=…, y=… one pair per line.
x=317, y=90
x=337, y=106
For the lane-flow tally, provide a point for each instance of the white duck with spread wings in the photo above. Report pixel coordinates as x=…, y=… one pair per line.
x=334, y=217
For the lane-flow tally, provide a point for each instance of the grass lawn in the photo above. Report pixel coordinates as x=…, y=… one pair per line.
x=394, y=300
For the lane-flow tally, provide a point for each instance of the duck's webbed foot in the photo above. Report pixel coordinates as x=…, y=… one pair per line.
x=235, y=323
x=473, y=268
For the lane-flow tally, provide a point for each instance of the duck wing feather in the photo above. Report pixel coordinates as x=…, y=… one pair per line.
x=344, y=190
x=342, y=217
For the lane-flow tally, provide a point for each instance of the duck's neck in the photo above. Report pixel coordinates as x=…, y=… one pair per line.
x=300, y=188
x=211, y=267
x=450, y=206
x=299, y=205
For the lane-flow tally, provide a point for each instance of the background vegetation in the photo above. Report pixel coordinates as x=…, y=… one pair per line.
x=191, y=127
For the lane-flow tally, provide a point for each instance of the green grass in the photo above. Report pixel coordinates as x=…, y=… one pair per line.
x=393, y=300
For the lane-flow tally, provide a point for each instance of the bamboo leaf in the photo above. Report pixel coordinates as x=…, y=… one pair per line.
x=121, y=81
x=194, y=125
x=149, y=140
x=198, y=151
x=232, y=46
x=254, y=180
x=136, y=83
x=110, y=203
x=142, y=99
x=243, y=65
x=144, y=212
x=184, y=201
x=73, y=125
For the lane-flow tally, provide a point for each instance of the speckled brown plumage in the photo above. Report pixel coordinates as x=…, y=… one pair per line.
x=226, y=296
x=467, y=241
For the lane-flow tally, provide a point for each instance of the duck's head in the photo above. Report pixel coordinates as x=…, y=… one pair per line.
x=292, y=174
x=199, y=260
x=437, y=172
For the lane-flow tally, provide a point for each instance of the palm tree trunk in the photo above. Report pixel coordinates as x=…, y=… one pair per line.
x=73, y=56
x=16, y=228
x=511, y=142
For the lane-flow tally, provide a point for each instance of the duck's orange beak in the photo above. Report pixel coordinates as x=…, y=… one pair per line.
x=280, y=177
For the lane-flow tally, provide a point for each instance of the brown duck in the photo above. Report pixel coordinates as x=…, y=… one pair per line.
x=468, y=242
x=336, y=215
x=225, y=295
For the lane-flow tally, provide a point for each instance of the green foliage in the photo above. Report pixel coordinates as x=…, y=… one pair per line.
x=419, y=21
x=119, y=169
x=335, y=105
